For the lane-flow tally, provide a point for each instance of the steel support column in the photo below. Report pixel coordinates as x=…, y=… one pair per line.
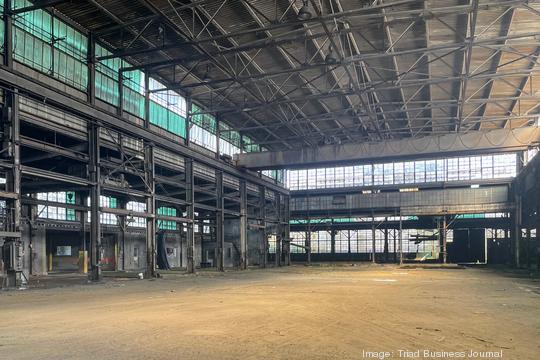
x=95, y=191
x=91, y=62
x=262, y=214
x=147, y=100
x=400, y=239
x=308, y=235
x=80, y=198
x=443, y=240
x=333, y=242
x=189, y=106
x=121, y=242
x=394, y=238
x=279, y=230
x=516, y=222
x=243, y=225
x=120, y=108
x=220, y=238
x=308, y=244
x=151, y=209
x=13, y=246
x=507, y=244
x=287, y=229
x=386, y=242
x=8, y=33
x=373, y=244
x=218, y=140
x=528, y=249
x=190, y=209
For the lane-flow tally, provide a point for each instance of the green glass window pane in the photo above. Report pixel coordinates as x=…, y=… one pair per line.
x=106, y=89
x=31, y=51
x=33, y=35
x=206, y=121
x=167, y=119
x=134, y=80
x=166, y=224
x=70, y=197
x=70, y=215
x=177, y=124
x=228, y=135
x=36, y=23
x=70, y=41
x=133, y=102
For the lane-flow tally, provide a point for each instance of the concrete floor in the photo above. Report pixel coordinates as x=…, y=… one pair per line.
x=332, y=312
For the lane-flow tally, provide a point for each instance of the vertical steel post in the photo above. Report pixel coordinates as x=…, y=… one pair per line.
x=190, y=209
x=91, y=64
x=394, y=238
x=262, y=214
x=189, y=116
x=279, y=229
x=121, y=242
x=220, y=238
x=11, y=142
x=218, y=135
x=286, y=220
x=308, y=235
x=528, y=258
x=443, y=236
x=95, y=191
x=146, y=100
x=81, y=198
x=8, y=34
x=243, y=225
x=507, y=245
x=151, y=209
x=308, y=243
x=516, y=221
x=373, y=243
x=400, y=239
x=386, y=241
x=120, y=108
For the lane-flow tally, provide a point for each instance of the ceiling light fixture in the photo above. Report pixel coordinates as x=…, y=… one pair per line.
x=331, y=56
x=206, y=76
x=161, y=33
x=304, y=13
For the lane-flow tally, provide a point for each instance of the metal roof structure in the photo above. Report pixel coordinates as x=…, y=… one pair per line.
x=305, y=73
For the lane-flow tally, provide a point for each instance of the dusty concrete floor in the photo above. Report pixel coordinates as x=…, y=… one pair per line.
x=293, y=313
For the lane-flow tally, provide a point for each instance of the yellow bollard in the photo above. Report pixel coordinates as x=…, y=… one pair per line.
x=83, y=262
x=116, y=256
x=50, y=261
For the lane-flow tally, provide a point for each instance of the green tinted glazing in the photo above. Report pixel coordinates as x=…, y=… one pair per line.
x=50, y=46
x=205, y=121
x=70, y=199
x=166, y=119
x=226, y=134
x=166, y=224
x=107, y=77
x=250, y=145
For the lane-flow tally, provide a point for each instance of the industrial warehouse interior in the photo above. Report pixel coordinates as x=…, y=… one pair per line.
x=269, y=179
